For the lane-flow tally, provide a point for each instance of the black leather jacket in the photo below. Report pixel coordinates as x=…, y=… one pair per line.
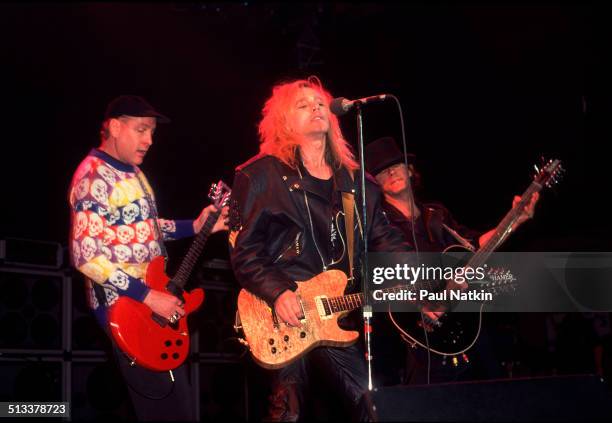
x=431, y=234
x=271, y=242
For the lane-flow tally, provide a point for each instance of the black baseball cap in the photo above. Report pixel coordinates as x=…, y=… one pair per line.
x=132, y=105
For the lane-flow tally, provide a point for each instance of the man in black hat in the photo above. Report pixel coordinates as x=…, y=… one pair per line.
x=116, y=232
x=434, y=231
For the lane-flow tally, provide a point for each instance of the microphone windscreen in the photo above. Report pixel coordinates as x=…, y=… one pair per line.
x=336, y=106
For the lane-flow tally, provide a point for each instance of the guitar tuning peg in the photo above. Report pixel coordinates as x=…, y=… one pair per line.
x=536, y=168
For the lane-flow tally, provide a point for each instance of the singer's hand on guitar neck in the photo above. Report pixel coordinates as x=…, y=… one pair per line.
x=164, y=304
x=287, y=307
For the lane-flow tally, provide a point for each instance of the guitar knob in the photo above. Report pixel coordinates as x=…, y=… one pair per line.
x=164, y=356
x=302, y=334
x=286, y=338
x=175, y=356
x=273, y=350
x=271, y=341
x=179, y=342
x=167, y=343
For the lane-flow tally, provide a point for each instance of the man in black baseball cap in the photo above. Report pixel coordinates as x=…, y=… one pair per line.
x=128, y=127
x=115, y=234
x=132, y=105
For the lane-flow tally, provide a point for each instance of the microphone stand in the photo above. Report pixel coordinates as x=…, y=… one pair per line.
x=367, y=307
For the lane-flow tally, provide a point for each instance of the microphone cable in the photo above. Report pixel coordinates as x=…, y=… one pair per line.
x=412, y=219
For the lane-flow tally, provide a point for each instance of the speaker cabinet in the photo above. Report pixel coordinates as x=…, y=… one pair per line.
x=568, y=398
x=30, y=380
x=31, y=309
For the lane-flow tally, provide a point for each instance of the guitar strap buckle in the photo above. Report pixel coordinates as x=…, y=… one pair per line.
x=99, y=293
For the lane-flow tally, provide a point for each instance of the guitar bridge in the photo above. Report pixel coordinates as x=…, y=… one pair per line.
x=303, y=319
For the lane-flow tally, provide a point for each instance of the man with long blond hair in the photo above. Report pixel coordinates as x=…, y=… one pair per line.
x=287, y=225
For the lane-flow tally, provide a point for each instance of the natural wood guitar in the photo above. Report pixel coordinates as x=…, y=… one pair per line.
x=275, y=344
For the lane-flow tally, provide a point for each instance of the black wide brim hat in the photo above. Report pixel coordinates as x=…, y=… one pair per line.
x=132, y=105
x=382, y=153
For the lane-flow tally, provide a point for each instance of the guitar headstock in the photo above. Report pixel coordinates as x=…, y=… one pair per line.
x=500, y=281
x=219, y=194
x=549, y=174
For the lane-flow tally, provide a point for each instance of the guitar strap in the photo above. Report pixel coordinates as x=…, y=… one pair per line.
x=99, y=292
x=348, y=203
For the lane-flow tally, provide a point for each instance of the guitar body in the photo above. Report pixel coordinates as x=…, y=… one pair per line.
x=146, y=341
x=273, y=344
x=452, y=333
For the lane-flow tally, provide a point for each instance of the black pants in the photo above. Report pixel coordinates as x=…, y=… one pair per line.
x=154, y=395
x=341, y=369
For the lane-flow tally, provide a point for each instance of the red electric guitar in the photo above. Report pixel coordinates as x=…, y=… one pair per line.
x=150, y=340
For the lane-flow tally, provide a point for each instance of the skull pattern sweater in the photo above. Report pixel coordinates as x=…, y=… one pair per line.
x=114, y=235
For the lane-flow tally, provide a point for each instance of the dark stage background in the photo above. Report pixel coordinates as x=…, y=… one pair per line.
x=485, y=89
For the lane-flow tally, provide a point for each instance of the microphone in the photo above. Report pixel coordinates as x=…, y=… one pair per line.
x=341, y=105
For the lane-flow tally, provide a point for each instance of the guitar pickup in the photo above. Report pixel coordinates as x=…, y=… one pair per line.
x=323, y=307
x=175, y=290
x=163, y=322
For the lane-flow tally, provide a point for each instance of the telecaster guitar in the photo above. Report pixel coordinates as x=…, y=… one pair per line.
x=273, y=344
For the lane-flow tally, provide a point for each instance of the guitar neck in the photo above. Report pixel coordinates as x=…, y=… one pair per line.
x=190, y=260
x=504, y=228
x=350, y=302
x=353, y=301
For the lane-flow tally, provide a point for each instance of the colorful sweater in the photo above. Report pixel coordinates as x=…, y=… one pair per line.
x=113, y=235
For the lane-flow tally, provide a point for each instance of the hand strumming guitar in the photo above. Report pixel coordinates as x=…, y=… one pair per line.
x=165, y=305
x=288, y=308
